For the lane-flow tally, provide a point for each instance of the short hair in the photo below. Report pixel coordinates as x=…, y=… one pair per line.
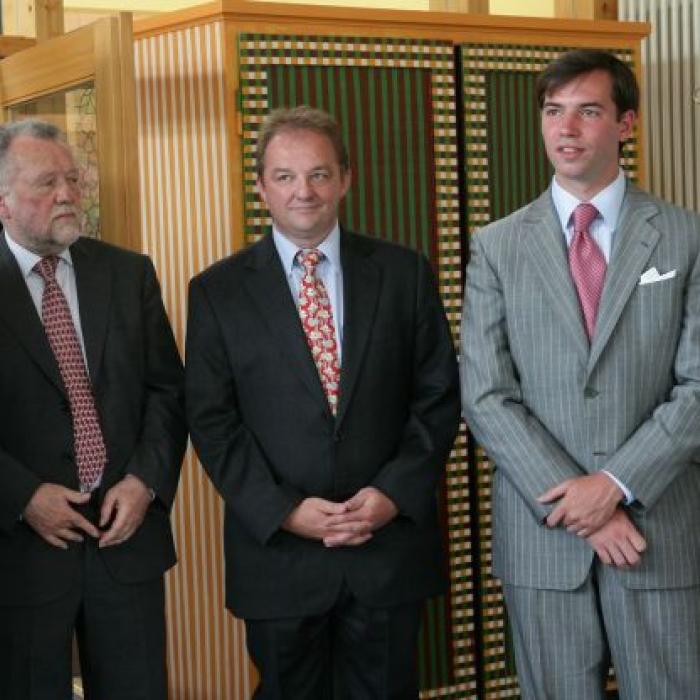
x=301, y=118
x=34, y=128
x=572, y=64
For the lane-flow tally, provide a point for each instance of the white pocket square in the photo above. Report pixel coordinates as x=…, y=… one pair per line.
x=652, y=275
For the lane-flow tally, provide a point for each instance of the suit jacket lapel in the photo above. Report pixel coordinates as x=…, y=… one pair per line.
x=545, y=247
x=18, y=311
x=635, y=241
x=269, y=289
x=361, y=284
x=93, y=277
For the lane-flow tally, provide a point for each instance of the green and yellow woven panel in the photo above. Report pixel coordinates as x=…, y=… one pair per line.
x=505, y=166
x=395, y=100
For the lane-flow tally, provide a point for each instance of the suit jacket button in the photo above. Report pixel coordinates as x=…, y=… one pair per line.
x=590, y=393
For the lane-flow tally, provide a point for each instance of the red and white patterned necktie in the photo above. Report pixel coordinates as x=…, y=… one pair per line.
x=90, y=450
x=317, y=319
x=587, y=264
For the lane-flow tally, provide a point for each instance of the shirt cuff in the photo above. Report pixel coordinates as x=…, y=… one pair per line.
x=629, y=496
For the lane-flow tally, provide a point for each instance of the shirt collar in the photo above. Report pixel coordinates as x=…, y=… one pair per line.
x=27, y=259
x=608, y=202
x=330, y=247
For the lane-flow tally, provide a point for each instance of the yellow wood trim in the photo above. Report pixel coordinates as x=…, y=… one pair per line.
x=52, y=65
x=586, y=9
x=48, y=18
x=18, y=17
x=234, y=127
x=13, y=44
x=309, y=19
x=473, y=6
x=116, y=131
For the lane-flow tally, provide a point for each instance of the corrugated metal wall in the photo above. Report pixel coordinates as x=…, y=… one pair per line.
x=671, y=96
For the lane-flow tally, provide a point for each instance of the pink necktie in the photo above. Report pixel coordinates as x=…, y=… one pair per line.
x=317, y=319
x=587, y=265
x=90, y=451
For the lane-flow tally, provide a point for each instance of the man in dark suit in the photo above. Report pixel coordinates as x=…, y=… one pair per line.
x=322, y=400
x=92, y=434
x=581, y=378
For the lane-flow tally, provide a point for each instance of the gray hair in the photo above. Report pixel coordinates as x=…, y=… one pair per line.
x=34, y=128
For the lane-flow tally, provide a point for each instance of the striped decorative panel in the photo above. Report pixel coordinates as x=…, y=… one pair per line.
x=505, y=166
x=671, y=96
x=395, y=100
x=186, y=225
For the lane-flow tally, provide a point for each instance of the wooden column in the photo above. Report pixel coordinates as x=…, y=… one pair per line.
x=585, y=9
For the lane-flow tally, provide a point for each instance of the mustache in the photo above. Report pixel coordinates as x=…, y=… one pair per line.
x=65, y=210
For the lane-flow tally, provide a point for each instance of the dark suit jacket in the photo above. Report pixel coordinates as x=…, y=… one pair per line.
x=136, y=375
x=261, y=424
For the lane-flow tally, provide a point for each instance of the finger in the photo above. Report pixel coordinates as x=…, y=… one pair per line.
x=347, y=539
x=580, y=531
x=68, y=534
x=116, y=533
x=331, y=508
x=82, y=523
x=78, y=497
x=555, y=517
x=618, y=556
x=603, y=554
x=345, y=518
x=552, y=494
x=56, y=541
x=108, y=508
x=638, y=542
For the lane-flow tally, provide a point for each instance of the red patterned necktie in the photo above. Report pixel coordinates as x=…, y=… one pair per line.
x=587, y=265
x=317, y=319
x=90, y=451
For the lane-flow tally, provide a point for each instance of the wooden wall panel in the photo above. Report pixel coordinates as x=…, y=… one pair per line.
x=186, y=225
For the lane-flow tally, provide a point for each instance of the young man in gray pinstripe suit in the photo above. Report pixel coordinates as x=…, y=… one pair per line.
x=581, y=378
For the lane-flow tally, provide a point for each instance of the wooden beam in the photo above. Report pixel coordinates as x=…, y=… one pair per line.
x=586, y=9
x=480, y=7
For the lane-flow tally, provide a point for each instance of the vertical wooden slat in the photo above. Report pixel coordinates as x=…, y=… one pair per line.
x=186, y=221
x=671, y=74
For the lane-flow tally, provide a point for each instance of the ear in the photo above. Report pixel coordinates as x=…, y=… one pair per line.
x=260, y=187
x=346, y=178
x=626, y=124
x=5, y=212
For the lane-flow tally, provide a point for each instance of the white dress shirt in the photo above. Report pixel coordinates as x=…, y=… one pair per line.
x=608, y=202
x=329, y=271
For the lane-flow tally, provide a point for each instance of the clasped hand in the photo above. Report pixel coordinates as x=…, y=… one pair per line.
x=588, y=506
x=349, y=523
x=51, y=513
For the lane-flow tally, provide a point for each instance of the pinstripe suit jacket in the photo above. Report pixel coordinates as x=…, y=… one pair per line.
x=547, y=405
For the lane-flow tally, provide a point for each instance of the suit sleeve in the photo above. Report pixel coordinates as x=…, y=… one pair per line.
x=17, y=486
x=530, y=457
x=668, y=442
x=158, y=455
x=226, y=448
x=410, y=478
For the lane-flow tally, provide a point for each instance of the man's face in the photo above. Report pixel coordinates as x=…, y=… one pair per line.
x=40, y=203
x=302, y=185
x=582, y=132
